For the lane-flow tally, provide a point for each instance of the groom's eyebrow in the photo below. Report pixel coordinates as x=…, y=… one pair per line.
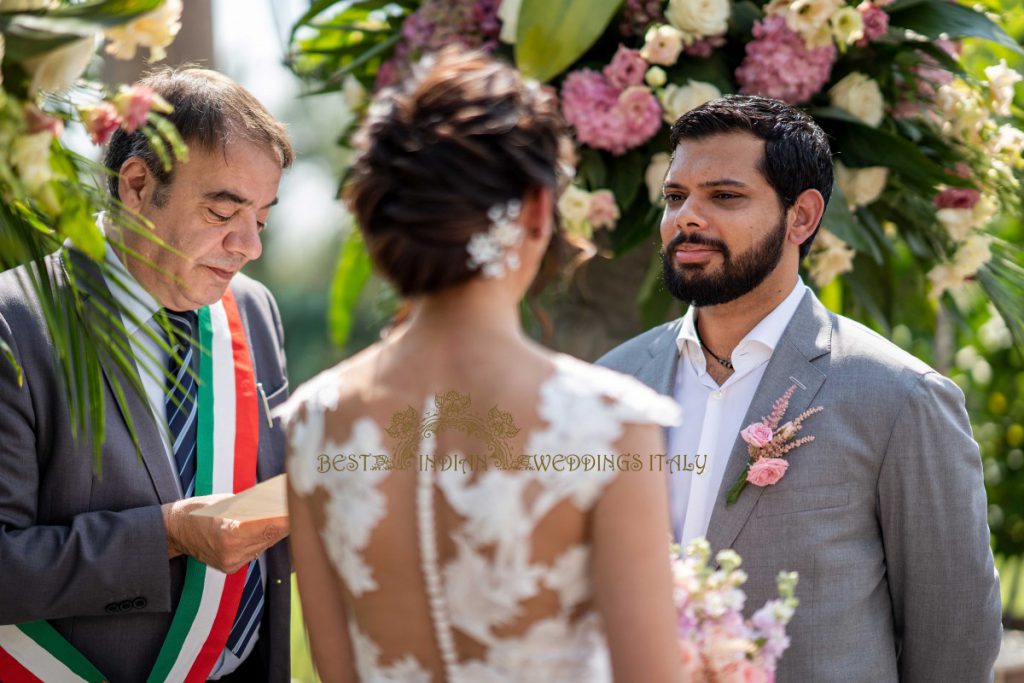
x=229, y=196
x=724, y=182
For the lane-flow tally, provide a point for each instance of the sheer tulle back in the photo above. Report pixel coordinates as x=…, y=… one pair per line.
x=451, y=571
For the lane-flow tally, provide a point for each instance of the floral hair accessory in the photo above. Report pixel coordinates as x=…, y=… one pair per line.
x=493, y=251
x=767, y=443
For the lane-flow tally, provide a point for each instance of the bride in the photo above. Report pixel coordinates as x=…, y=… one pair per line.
x=415, y=563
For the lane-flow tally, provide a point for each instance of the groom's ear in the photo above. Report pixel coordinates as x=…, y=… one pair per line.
x=134, y=183
x=537, y=217
x=804, y=216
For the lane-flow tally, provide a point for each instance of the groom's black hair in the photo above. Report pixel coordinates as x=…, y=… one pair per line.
x=796, y=151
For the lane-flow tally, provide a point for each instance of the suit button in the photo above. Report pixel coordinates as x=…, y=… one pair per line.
x=125, y=605
x=139, y=603
x=112, y=608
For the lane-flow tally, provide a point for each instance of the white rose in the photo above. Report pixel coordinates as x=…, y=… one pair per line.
x=699, y=18
x=662, y=45
x=806, y=17
x=1001, y=82
x=1009, y=142
x=30, y=156
x=655, y=177
x=847, y=25
x=830, y=258
x=676, y=100
x=508, y=12
x=859, y=95
x=574, y=207
x=57, y=70
x=861, y=186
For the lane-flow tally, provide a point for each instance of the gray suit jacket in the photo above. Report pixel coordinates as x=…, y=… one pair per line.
x=88, y=552
x=883, y=515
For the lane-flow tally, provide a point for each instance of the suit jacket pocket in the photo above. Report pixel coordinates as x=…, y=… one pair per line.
x=790, y=501
x=277, y=396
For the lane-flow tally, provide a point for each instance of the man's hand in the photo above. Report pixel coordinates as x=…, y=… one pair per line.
x=224, y=544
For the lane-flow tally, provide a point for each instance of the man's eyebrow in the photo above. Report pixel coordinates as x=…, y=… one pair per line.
x=229, y=196
x=720, y=182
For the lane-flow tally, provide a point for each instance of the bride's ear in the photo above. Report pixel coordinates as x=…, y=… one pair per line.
x=537, y=214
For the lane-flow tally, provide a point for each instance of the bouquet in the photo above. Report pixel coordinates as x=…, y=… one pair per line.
x=715, y=642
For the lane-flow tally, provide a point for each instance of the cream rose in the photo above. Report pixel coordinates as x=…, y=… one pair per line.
x=676, y=100
x=662, y=45
x=807, y=16
x=974, y=253
x=859, y=95
x=847, y=25
x=508, y=12
x=655, y=77
x=1001, y=82
x=861, y=186
x=699, y=18
x=830, y=258
x=574, y=207
x=654, y=176
x=57, y=70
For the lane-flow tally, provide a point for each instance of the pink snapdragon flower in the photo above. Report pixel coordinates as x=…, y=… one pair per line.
x=767, y=471
x=100, y=121
x=134, y=103
x=779, y=65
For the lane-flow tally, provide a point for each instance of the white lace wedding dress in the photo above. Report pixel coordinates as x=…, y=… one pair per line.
x=469, y=576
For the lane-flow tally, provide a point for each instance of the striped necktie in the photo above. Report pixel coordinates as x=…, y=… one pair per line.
x=182, y=418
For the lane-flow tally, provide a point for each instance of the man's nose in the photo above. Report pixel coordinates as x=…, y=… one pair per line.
x=244, y=239
x=690, y=215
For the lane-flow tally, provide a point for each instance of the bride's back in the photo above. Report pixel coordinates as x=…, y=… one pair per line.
x=460, y=506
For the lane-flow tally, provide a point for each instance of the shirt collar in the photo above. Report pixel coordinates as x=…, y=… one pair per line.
x=766, y=333
x=137, y=305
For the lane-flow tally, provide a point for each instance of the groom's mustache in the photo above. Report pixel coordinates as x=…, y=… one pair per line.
x=697, y=238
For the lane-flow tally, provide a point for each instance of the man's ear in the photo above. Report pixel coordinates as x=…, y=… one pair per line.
x=805, y=215
x=135, y=184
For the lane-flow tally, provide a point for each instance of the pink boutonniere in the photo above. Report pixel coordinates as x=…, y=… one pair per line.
x=767, y=443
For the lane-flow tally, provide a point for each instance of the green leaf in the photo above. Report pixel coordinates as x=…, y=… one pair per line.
x=626, y=176
x=937, y=18
x=553, y=34
x=78, y=224
x=350, y=277
x=840, y=222
x=8, y=353
x=737, y=488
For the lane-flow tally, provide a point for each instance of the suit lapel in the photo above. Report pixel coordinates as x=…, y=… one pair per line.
x=659, y=372
x=807, y=337
x=134, y=408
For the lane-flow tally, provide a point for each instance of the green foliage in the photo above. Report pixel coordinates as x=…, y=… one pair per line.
x=553, y=34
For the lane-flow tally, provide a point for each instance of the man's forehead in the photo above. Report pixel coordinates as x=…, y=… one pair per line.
x=736, y=155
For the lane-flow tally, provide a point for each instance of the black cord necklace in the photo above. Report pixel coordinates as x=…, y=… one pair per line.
x=722, y=361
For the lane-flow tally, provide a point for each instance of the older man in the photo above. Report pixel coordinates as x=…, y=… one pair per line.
x=105, y=573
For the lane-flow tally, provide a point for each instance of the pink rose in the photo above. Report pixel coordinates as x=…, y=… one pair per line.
x=757, y=434
x=627, y=68
x=957, y=198
x=604, y=212
x=876, y=23
x=767, y=471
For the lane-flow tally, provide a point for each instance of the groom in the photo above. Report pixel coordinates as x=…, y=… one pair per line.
x=883, y=514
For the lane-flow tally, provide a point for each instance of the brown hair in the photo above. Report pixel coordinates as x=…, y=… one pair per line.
x=209, y=108
x=465, y=133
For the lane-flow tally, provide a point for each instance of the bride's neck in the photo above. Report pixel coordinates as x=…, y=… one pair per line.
x=480, y=309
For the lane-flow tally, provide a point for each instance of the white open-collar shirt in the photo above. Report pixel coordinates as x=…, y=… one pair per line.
x=712, y=414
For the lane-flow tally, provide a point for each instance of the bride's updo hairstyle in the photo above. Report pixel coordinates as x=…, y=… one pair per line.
x=465, y=133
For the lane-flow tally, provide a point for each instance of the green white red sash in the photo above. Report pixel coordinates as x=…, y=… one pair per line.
x=226, y=463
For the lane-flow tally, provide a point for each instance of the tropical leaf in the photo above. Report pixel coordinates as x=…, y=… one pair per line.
x=350, y=276
x=553, y=34
x=938, y=18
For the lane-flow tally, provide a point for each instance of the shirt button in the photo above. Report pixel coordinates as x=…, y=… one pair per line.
x=716, y=395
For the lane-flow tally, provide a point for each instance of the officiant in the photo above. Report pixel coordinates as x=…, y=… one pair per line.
x=106, y=575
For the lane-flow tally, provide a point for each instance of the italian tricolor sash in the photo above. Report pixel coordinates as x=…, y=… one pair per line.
x=226, y=463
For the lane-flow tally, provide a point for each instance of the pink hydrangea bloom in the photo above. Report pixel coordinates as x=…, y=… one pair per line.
x=627, y=68
x=608, y=118
x=778, y=64
x=767, y=471
x=702, y=49
x=876, y=22
x=957, y=198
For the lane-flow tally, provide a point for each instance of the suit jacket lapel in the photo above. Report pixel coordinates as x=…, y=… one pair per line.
x=134, y=409
x=807, y=337
x=659, y=372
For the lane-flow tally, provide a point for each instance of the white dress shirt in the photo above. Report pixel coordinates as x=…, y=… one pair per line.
x=712, y=414
x=140, y=308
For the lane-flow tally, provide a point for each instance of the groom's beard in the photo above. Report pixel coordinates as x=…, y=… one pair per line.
x=689, y=282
